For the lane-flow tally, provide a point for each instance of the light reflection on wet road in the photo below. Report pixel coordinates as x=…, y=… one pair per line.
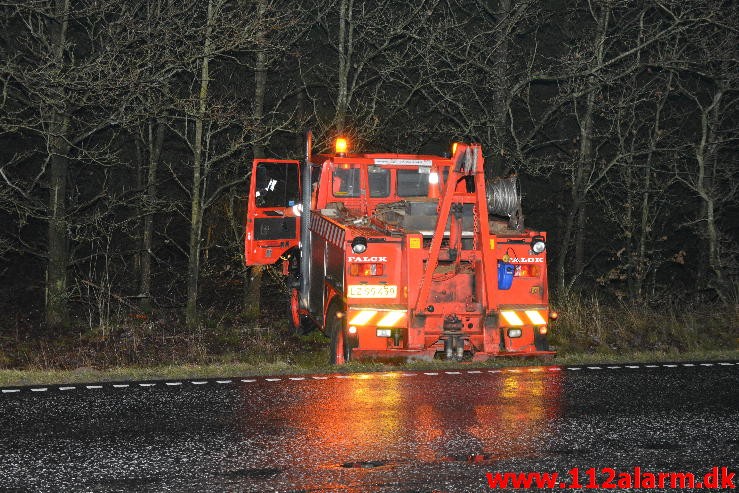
x=404, y=432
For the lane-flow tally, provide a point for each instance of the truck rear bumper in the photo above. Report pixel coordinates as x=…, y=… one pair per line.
x=393, y=354
x=516, y=354
x=429, y=353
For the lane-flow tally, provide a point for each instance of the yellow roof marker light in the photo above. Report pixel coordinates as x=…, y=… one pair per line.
x=341, y=145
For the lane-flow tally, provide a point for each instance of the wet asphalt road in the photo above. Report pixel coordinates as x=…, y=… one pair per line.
x=437, y=431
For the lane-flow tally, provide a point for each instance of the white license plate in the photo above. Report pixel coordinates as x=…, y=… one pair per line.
x=372, y=291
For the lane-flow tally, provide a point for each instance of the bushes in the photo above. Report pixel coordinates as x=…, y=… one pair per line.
x=587, y=324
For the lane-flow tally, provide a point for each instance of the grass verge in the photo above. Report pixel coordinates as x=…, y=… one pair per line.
x=588, y=331
x=311, y=365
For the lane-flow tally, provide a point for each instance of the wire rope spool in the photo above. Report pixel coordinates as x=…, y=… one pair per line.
x=504, y=199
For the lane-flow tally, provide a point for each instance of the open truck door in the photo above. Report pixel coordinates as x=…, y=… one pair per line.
x=273, y=214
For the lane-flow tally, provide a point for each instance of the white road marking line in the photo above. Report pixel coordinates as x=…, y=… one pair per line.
x=120, y=385
x=511, y=370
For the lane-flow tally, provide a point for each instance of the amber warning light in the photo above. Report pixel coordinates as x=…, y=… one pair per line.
x=341, y=145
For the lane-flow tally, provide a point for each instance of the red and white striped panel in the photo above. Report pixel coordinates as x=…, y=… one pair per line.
x=519, y=317
x=328, y=230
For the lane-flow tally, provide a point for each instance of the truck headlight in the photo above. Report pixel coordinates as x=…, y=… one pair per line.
x=359, y=244
x=538, y=245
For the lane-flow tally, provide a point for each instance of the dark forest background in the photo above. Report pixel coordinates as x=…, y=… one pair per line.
x=127, y=129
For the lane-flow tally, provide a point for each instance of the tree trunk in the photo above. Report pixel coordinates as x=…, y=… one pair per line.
x=565, y=244
x=577, y=216
x=704, y=154
x=630, y=230
x=253, y=275
x=501, y=92
x=196, y=206
x=57, y=309
x=580, y=240
x=155, y=141
x=345, y=57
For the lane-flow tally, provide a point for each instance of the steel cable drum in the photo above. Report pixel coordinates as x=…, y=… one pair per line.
x=503, y=196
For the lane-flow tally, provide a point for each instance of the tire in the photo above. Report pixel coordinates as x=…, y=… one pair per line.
x=339, y=351
x=296, y=324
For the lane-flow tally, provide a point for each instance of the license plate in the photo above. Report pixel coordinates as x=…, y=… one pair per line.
x=372, y=291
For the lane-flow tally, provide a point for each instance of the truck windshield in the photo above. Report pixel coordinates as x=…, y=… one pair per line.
x=379, y=182
x=413, y=183
x=346, y=182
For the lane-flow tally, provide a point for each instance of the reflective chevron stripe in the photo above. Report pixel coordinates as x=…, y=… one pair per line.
x=517, y=318
x=378, y=317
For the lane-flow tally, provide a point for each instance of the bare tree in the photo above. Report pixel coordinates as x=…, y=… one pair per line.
x=365, y=47
x=707, y=77
x=65, y=86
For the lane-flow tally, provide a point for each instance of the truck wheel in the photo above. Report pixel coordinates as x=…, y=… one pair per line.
x=296, y=325
x=339, y=351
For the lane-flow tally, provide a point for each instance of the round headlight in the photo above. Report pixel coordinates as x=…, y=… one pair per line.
x=538, y=245
x=359, y=244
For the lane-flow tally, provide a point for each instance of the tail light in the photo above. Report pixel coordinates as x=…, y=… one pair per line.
x=366, y=270
x=527, y=271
